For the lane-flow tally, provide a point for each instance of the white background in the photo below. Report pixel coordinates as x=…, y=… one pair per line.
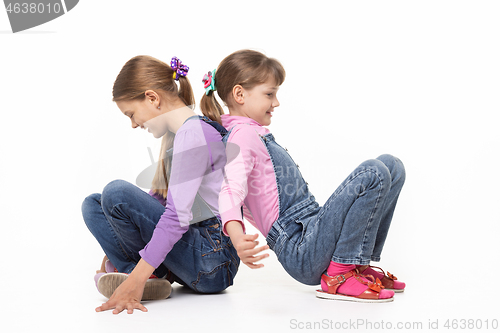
x=417, y=79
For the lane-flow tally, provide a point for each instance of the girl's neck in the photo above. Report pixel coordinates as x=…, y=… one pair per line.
x=236, y=112
x=175, y=117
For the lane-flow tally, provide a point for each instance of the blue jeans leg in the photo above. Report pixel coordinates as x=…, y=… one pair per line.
x=203, y=259
x=349, y=228
x=398, y=176
x=102, y=230
x=117, y=221
x=363, y=200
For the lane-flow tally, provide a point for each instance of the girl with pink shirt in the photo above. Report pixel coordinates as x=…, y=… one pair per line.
x=331, y=245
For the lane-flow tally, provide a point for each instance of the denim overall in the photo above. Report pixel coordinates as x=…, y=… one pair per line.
x=123, y=219
x=350, y=228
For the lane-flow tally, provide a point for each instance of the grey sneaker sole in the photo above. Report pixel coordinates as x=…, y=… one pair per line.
x=154, y=289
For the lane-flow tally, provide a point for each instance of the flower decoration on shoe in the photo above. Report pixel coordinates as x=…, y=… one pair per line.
x=209, y=82
x=375, y=285
x=389, y=281
x=179, y=68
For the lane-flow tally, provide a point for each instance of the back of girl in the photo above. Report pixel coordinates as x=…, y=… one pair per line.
x=172, y=234
x=332, y=245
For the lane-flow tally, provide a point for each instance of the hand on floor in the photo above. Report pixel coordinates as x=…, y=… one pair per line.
x=127, y=296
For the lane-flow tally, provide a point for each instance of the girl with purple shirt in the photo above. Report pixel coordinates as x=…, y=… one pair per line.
x=332, y=245
x=174, y=232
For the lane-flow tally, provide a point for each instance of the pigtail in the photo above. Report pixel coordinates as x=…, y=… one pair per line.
x=210, y=107
x=186, y=92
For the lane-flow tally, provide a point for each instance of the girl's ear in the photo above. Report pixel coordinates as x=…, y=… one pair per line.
x=152, y=96
x=238, y=95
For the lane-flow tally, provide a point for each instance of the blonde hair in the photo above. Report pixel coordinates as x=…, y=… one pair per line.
x=247, y=68
x=143, y=73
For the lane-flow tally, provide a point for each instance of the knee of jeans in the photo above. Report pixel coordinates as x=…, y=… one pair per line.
x=89, y=203
x=395, y=166
x=113, y=191
x=378, y=169
x=90, y=200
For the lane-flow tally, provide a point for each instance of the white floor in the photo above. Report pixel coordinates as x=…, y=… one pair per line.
x=254, y=304
x=446, y=252
x=264, y=300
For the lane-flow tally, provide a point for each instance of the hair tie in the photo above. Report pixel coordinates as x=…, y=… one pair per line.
x=178, y=68
x=209, y=82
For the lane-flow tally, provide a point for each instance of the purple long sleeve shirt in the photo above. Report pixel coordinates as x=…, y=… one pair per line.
x=197, y=167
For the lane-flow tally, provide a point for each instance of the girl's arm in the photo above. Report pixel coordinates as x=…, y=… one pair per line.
x=233, y=193
x=245, y=245
x=242, y=141
x=190, y=162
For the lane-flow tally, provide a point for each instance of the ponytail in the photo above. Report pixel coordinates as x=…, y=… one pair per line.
x=210, y=107
x=186, y=92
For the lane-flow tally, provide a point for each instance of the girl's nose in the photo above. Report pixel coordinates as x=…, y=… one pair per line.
x=134, y=125
x=276, y=103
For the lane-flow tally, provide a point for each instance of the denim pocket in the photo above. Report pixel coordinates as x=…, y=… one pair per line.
x=212, y=238
x=302, y=224
x=214, y=281
x=231, y=252
x=298, y=233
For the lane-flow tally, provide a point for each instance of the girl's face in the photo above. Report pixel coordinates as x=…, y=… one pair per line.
x=260, y=101
x=144, y=114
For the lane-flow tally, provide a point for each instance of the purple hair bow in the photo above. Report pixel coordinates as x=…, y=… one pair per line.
x=178, y=68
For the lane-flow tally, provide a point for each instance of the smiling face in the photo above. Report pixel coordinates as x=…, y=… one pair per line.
x=260, y=101
x=141, y=114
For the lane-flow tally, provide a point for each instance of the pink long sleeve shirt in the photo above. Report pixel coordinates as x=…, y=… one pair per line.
x=250, y=180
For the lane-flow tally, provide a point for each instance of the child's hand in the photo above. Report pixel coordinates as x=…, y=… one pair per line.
x=126, y=297
x=245, y=245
